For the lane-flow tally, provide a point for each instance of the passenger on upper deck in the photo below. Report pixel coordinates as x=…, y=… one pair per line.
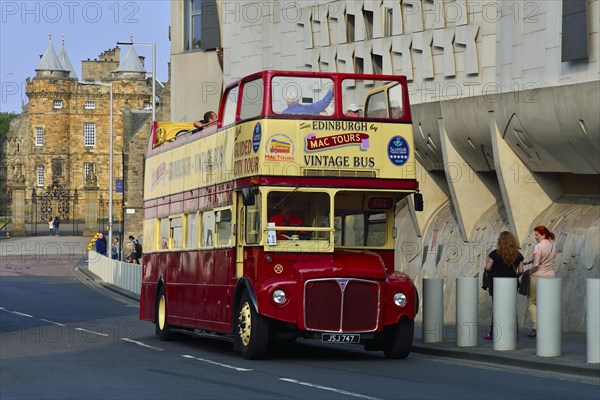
x=210, y=119
x=353, y=111
x=294, y=107
x=395, y=109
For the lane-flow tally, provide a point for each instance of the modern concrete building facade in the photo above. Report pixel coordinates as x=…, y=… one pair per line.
x=505, y=98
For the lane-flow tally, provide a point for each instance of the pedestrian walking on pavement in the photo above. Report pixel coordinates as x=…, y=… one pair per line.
x=544, y=254
x=506, y=261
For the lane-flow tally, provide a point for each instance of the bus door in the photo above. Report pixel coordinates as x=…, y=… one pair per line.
x=249, y=230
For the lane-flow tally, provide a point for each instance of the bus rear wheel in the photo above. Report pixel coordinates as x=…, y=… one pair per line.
x=251, y=330
x=399, y=340
x=163, y=330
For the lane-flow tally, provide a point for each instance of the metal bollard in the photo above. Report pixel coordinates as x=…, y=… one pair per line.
x=467, y=291
x=549, y=315
x=433, y=310
x=593, y=321
x=505, y=314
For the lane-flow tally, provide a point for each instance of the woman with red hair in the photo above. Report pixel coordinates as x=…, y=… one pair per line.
x=543, y=267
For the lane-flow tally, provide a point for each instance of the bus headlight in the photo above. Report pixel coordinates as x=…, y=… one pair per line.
x=399, y=299
x=279, y=296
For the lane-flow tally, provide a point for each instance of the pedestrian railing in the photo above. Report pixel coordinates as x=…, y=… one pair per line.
x=122, y=274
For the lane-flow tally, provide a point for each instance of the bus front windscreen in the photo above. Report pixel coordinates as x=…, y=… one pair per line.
x=298, y=215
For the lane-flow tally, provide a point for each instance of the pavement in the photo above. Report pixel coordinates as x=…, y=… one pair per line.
x=572, y=361
x=60, y=255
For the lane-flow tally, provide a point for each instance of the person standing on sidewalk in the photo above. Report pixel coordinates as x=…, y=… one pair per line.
x=506, y=261
x=101, y=244
x=544, y=254
x=57, y=226
x=51, y=226
x=136, y=250
x=114, y=249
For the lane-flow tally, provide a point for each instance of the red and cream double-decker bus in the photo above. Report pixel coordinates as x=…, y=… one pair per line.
x=278, y=223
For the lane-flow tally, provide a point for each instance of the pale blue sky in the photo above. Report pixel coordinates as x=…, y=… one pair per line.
x=90, y=28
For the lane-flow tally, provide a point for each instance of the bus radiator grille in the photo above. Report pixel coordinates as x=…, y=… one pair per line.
x=341, y=305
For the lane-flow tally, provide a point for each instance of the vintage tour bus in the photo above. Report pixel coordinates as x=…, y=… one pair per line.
x=278, y=222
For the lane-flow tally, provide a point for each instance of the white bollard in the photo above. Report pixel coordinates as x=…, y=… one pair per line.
x=549, y=317
x=433, y=310
x=467, y=292
x=593, y=321
x=505, y=314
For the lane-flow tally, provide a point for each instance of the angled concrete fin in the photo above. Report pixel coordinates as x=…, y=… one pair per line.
x=471, y=197
x=435, y=194
x=524, y=194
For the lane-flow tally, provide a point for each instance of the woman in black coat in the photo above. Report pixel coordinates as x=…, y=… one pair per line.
x=506, y=261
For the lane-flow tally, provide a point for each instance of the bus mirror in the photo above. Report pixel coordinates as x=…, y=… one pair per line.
x=418, y=202
x=248, y=196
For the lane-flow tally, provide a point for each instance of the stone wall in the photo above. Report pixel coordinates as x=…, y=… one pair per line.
x=99, y=69
x=63, y=153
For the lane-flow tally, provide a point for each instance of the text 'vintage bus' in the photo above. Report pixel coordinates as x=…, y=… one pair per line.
x=278, y=222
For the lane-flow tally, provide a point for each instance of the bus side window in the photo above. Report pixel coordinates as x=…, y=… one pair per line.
x=177, y=232
x=376, y=106
x=252, y=228
x=252, y=99
x=208, y=227
x=191, y=237
x=164, y=233
x=230, y=107
x=224, y=227
x=395, y=98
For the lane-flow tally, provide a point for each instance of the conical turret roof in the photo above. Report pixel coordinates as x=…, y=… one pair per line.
x=131, y=62
x=50, y=61
x=63, y=57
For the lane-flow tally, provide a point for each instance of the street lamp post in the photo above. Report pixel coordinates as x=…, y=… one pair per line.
x=153, y=45
x=110, y=161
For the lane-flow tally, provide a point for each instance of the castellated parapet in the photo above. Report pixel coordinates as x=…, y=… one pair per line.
x=64, y=137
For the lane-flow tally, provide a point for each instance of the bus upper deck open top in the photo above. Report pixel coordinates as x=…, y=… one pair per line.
x=279, y=221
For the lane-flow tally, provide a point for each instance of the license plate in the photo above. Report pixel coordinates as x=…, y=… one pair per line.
x=341, y=338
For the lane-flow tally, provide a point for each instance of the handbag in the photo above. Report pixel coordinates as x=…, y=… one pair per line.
x=487, y=281
x=523, y=288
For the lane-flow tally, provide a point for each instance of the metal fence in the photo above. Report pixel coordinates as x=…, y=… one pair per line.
x=122, y=274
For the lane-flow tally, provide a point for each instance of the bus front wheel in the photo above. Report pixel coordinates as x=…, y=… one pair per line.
x=251, y=330
x=399, y=340
x=163, y=330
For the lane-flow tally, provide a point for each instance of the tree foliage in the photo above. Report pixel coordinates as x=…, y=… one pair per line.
x=5, y=119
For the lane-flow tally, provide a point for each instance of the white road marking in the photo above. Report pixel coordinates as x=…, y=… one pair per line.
x=141, y=344
x=21, y=314
x=330, y=389
x=217, y=363
x=95, y=333
x=52, y=322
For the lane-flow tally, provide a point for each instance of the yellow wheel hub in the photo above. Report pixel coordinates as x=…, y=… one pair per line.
x=245, y=324
x=162, y=312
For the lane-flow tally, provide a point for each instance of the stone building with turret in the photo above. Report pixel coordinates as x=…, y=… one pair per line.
x=58, y=149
